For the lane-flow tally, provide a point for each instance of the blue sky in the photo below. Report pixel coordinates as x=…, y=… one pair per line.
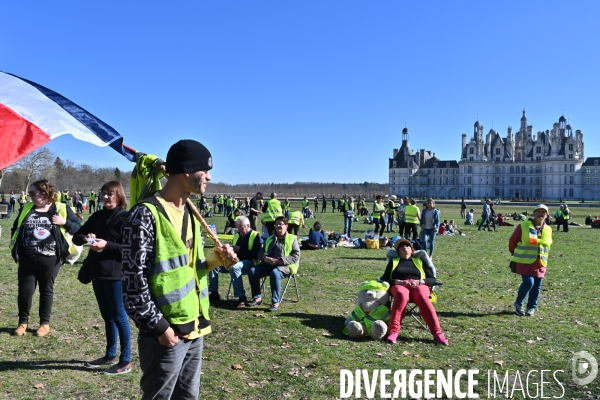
x=286, y=91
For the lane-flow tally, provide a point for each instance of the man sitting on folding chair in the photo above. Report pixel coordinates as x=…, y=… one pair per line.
x=411, y=277
x=246, y=244
x=280, y=257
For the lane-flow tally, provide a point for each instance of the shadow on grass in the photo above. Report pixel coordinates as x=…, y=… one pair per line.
x=454, y=314
x=382, y=259
x=333, y=324
x=45, y=365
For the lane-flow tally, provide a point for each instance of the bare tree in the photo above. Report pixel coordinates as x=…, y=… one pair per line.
x=35, y=164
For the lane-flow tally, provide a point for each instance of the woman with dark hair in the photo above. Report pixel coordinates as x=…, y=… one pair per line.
x=40, y=246
x=316, y=238
x=102, y=232
x=411, y=276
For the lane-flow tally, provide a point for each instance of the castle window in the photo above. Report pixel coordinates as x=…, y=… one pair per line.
x=518, y=169
x=538, y=149
x=469, y=180
x=470, y=158
x=497, y=151
x=518, y=156
x=470, y=169
x=595, y=162
x=471, y=150
x=511, y=181
x=570, y=156
x=588, y=170
x=565, y=169
x=497, y=158
x=538, y=180
x=571, y=167
x=571, y=180
x=595, y=180
x=512, y=169
x=570, y=192
x=394, y=164
x=538, y=169
x=588, y=180
x=434, y=165
x=571, y=147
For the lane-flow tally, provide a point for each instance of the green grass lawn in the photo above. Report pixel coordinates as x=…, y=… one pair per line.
x=299, y=351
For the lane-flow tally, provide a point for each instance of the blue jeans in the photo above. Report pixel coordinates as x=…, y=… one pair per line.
x=428, y=239
x=260, y=271
x=170, y=372
x=532, y=286
x=110, y=301
x=236, y=272
x=348, y=225
x=485, y=220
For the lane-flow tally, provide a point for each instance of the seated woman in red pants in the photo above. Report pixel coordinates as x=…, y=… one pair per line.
x=410, y=277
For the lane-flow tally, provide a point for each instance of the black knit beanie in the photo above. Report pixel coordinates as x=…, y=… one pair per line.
x=188, y=156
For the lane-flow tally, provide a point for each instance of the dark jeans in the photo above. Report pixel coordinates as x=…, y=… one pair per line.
x=42, y=270
x=252, y=219
x=293, y=229
x=270, y=227
x=566, y=225
x=110, y=301
x=379, y=222
x=408, y=227
x=91, y=204
x=170, y=372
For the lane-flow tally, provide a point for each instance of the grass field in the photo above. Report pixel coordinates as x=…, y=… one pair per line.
x=299, y=351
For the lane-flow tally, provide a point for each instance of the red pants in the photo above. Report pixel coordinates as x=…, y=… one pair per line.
x=420, y=296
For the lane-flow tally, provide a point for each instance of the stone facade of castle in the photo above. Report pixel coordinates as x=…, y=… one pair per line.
x=547, y=165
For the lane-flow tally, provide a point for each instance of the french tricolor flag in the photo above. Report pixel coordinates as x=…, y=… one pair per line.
x=32, y=115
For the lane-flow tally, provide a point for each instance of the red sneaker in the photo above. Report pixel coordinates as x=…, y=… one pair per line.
x=439, y=338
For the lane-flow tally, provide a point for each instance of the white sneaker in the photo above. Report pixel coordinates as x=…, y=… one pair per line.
x=530, y=312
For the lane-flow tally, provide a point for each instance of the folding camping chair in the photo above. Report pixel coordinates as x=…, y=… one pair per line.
x=413, y=310
x=287, y=283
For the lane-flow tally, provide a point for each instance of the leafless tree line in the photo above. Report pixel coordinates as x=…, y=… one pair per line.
x=300, y=189
x=63, y=174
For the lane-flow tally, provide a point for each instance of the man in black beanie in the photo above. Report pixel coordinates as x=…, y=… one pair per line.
x=164, y=277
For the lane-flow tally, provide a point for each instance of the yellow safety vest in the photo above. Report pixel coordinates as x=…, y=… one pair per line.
x=532, y=245
x=251, y=240
x=273, y=210
x=418, y=263
x=287, y=249
x=378, y=209
x=411, y=213
x=381, y=313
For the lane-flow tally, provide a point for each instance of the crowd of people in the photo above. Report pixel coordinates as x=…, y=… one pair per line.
x=148, y=264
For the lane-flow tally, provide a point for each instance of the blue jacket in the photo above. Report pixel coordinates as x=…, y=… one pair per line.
x=436, y=219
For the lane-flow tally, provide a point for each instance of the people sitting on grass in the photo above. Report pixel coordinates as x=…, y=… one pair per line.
x=411, y=276
x=279, y=257
x=588, y=220
x=8, y=208
x=469, y=218
x=246, y=244
x=231, y=220
x=316, y=238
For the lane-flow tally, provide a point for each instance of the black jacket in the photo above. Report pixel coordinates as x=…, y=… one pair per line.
x=105, y=224
x=62, y=248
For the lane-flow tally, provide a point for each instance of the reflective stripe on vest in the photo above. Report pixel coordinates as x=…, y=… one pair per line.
x=527, y=252
x=178, y=289
x=391, y=208
x=295, y=218
x=411, y=212
x=287, y=249
x=273, y=210
x=416, y=260
x=381, y=313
